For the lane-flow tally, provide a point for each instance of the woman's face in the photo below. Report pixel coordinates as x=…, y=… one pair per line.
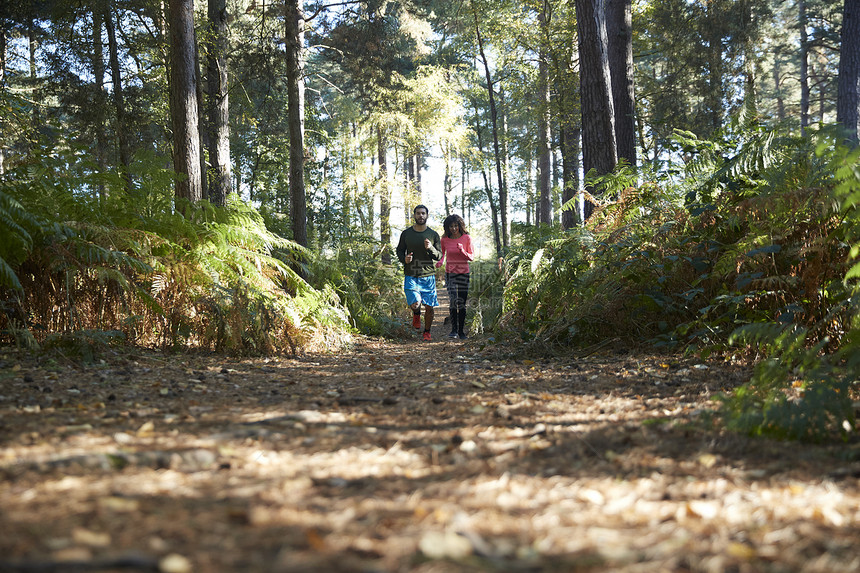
x=454, y=228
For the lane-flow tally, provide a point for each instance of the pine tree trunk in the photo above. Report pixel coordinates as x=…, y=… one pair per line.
x=203, y=129
x=569, y=138
x=804, y=66
x=848, y=99
x=2, y=85
x=488, y=188
x=384, y=197
x=33, y=43
x=219, y=119
x=296, y=103
x=544, y=212
x=446, y=185
x=183, y=101
x=714, y=95
x=598, y=124
x=619, y=24
x=118, y=99
x=503, y=193
x=505, y=207
x=98, y=88
x=777, y=88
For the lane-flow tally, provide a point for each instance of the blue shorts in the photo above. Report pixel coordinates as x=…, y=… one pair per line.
x=421, y=290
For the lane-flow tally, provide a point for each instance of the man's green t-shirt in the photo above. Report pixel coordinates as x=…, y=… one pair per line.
x=423, y=260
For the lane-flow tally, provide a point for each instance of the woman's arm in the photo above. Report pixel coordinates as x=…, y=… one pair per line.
x=466, y=248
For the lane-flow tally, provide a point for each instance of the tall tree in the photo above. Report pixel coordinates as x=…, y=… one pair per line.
x=3, y=41
x=598, y=114
x=494, y=123
x=566, y=84
x=848, y=99
x=544, y=211
x=122, y=128
x=802, y=24
x=98, y=90
x=384, y=195
x=219, y=119
x=183, y=101
x=619, y=32
x=296, y=110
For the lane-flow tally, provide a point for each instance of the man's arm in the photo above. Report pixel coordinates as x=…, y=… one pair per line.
x=401, y=248
x=435, y=249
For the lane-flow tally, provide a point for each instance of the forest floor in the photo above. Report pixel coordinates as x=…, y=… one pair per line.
x=406, y=456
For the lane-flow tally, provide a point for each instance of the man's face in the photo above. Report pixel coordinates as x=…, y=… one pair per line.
x=421, y=216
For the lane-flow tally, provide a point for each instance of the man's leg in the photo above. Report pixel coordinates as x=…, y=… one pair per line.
x=429, y=300
x=416, y=315
x=429, y=312
x=413, y=300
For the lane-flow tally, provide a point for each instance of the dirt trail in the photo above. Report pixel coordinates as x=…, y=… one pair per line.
x=405, y=456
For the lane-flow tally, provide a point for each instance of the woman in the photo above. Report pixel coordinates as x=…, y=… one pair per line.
x=456, y=253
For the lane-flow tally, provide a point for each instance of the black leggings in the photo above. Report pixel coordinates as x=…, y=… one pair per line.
x=458, y=290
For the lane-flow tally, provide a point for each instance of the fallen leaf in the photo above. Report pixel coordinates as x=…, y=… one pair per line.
x=174, y=563
x=90, y=538
x=444, y=545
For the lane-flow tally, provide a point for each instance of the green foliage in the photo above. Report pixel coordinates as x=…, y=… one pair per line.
x=486, y=296
x=805, y=388
x=15, y=239
x=797, y=392
x=372, y=292
x=748, y=249
x=100, y=260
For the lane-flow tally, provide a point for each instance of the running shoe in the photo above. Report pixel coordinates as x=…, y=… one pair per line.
x=427, y=335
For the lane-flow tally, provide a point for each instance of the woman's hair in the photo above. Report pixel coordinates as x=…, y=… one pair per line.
x=454, y=219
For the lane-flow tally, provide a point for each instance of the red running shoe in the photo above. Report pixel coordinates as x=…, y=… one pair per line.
x=416, y=321
x=427, y=335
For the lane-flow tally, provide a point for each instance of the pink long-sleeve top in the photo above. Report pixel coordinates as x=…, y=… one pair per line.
x=457, y=253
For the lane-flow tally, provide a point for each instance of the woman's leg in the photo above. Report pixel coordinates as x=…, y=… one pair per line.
x=452, y=302
x=462, y=281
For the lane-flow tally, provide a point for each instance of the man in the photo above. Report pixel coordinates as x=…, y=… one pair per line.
x=419, y=249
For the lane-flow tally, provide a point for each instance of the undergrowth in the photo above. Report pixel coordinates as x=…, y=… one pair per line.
x=745, y=250
x=81, y=255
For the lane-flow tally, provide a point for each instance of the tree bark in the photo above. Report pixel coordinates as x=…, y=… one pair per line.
x=296, y=103
x=714, y=95
x=544, y=211
x=598, y=124
x=446, y=184
x=118, y=99
x=2, y=85
x=33, y=43
x=204, y=128
x=503, y=192
x=619, y=24
x=848, y=98
x=384, y=197
x=99, y=94
x=219, y=119
x=570, y=172
x=488, y=188
x=505, y=168
x=777, y=87
x=804, y=66
x=183, y=101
